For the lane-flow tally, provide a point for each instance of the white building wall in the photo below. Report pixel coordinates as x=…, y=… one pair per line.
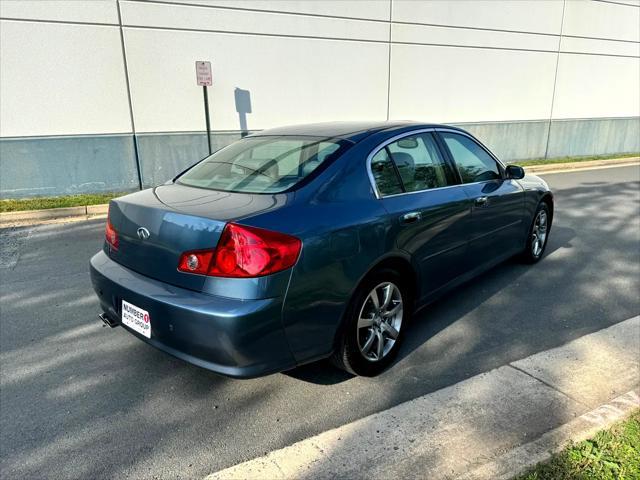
x=599, y=63
x=61, y=78
x=303, y=61
x=606, y=20
x=294, y=66
x=372, y=10
x=527, y=64
x=93, y=11
x=68, y=85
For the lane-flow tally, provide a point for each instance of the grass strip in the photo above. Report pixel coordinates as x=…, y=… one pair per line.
x=548, y=161
x=612, y=454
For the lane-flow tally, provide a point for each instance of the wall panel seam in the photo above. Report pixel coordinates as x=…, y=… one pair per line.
x=555, y=80
x=63, y=22
x=515, y=49
x=74, y=135
x=256, y=10
x=389, y=59
x=515, y=32
x=136, y=152
x=364, y=40
x=257, y=34
x=393, y=22
x=601, y=39
x=618, y=3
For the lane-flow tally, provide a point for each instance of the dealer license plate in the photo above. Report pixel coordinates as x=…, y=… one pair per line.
x=136, y=319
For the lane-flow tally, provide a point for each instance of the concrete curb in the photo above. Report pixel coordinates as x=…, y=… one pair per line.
x=518, y=460
x=554, y=167
x=479, y=428
x=48, y=214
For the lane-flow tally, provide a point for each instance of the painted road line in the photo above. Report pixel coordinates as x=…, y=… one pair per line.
x=461, y=428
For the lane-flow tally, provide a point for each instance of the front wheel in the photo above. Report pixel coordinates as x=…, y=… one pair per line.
x=538, y=234
x=375, y=325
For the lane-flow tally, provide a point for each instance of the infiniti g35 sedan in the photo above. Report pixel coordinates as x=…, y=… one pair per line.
x=300, y=243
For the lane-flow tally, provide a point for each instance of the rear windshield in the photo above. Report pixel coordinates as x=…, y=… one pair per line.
x=263, y=164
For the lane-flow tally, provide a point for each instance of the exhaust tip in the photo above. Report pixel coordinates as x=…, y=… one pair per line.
x=107, y=321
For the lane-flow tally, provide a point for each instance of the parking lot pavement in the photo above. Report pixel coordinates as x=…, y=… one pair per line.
x=474, y=428
x=82, y=400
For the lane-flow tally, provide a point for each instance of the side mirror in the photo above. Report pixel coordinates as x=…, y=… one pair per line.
x=515, y=172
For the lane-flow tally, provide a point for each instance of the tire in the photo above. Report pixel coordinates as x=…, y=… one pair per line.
x=365, y=324
x=538, y=235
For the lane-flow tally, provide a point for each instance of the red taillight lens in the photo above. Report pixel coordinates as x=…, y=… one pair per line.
x=110, y=233
x=244, y=252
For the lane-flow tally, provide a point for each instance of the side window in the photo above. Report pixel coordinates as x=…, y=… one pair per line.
x=325, y=149
x=384, y=174
x=317, y=154
x=420, y=164
x=474, y=163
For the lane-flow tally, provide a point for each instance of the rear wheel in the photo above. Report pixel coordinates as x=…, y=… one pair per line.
x=538, y=234
x=376, y=320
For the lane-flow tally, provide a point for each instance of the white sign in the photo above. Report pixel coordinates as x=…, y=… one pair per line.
x=203, y=73
x=136, y=319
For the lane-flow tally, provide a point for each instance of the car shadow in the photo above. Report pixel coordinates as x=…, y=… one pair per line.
x=442, y=313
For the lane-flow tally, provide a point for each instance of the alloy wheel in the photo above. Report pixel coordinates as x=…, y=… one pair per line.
x=380, y=321
x=539, y=233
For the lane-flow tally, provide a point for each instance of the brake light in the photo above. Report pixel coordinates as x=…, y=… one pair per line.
x=110, y=234
x=244, y=252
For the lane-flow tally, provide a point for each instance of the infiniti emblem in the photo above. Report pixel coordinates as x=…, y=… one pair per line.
x=143, y=233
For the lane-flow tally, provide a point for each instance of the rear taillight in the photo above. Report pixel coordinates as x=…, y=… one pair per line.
x=244, y=252
x=110, y=234
x=197, y=261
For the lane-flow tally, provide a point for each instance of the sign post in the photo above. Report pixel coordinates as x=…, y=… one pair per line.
x=204, y=78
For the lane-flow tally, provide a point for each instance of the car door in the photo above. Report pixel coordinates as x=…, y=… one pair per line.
x=430, y=212
x=497, y=202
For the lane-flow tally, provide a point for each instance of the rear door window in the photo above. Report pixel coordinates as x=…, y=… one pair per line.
x=420, y=163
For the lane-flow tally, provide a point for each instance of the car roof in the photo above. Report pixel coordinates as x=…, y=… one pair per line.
x=353, y=131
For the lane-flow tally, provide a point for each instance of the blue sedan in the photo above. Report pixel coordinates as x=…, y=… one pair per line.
x=300, y=243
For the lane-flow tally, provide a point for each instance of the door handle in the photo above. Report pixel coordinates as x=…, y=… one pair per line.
x=481, y=201
x=411, y=217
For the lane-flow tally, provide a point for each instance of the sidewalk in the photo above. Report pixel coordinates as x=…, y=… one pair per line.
x=55, y=215
x=490, y=426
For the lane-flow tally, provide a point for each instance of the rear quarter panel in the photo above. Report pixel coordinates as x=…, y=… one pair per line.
x=345, y=231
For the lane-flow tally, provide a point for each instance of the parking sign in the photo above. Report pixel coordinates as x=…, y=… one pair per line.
x=203, y=73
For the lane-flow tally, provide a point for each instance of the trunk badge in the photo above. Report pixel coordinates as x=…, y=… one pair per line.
x=143, y=233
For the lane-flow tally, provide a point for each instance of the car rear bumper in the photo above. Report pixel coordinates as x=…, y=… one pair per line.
x=234, y=337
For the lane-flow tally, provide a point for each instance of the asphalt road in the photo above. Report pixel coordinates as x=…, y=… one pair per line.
x=79, y=400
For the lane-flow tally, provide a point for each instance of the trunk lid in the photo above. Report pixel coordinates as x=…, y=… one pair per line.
x=178, y=219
